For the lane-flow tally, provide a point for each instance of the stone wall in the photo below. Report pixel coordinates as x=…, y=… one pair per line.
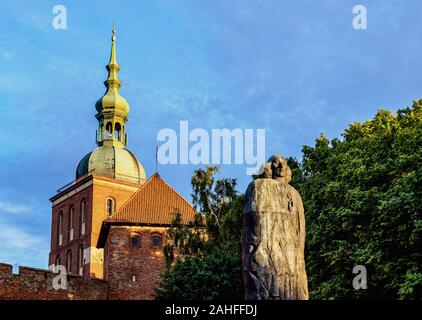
x=37, y=284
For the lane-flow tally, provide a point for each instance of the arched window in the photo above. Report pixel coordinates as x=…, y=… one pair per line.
x=109, y=130
x=110, y=206
x=57, y=263
x=82, y=218
x=81, y=261
x=101, y=133
x=156, y=241
x=70, y=222
x=117, y=131
x=60, y=229
x=135, y=241
x=69, y=261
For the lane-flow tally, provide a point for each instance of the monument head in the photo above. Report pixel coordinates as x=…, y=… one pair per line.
x=276, y=168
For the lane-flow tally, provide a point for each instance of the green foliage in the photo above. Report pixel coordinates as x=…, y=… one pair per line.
x=215, y=276
x=186, y=238
x=212, y=197
x=362, y=199
x=206, y=267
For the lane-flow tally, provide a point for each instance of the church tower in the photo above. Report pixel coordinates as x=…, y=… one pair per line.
x=105, y=179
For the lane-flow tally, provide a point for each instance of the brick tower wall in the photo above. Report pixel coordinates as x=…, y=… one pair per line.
x=94, y=190
x=104, y=188
x=73, y=199
x=133, y=272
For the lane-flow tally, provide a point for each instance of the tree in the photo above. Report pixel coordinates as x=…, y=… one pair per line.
x=362, y=198
x=206, y=267
x=212, y=198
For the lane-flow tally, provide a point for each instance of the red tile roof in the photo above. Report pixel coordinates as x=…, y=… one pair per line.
x=155, y=202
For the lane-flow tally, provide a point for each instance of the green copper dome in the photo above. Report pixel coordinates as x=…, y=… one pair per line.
x=112, y=162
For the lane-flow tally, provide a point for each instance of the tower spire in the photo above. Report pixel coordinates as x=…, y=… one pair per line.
x=113, y=67
x=112, y=108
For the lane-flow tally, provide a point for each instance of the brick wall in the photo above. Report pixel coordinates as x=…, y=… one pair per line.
x=37, y=284
x=134, y=272
x=105, y=188
x=94, y=191
x=79, y=239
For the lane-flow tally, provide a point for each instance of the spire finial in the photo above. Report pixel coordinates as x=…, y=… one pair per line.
x=113, y=31
x=113, y=59
x=112, y=108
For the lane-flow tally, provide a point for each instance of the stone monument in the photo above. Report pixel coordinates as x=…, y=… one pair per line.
x=274, y=236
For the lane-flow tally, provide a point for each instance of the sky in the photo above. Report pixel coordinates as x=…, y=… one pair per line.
x=294, y=68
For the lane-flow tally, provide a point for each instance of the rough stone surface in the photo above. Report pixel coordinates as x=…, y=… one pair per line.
x=273, y=241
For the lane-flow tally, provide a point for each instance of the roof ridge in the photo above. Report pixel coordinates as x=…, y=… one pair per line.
x=130, y=198
x=154, y=203
x=176, y=192
x=140, y=204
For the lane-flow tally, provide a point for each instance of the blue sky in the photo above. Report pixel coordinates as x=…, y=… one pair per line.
x=295, y=68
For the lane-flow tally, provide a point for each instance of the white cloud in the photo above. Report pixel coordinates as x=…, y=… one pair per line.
x=30, y=15
x=12, y=237
x=13, y=208
x=14, y=83
x=6, y=54
x=19, y=247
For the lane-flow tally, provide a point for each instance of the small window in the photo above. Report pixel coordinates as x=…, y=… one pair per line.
x=57, y=264
x=81, y=260
x=70, y=223
x=101, y=133
x=117, y=131
x=156, y=242
x=109, y=131
x=60, y=222
x=110, y=206
x=82, y=218
x=69, y=262
x=135, y=241
x=60, y=229
x=71, y=215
